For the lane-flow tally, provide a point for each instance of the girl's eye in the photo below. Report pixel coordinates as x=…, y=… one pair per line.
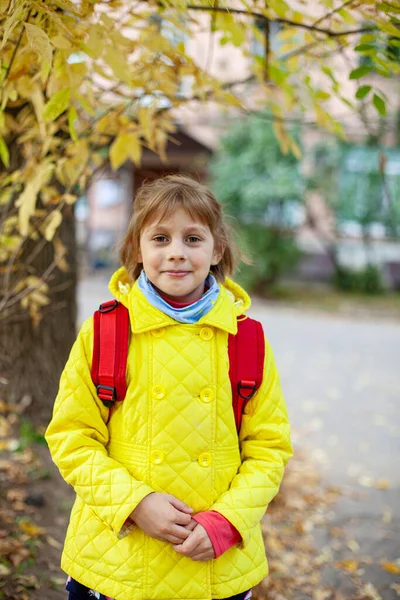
x=160, y=238
x=193, y=239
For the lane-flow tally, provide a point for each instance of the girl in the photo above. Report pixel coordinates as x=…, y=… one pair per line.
x=169, y=499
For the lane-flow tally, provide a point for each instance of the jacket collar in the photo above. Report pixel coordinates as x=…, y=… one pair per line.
x=232, y=301
x=145, y=317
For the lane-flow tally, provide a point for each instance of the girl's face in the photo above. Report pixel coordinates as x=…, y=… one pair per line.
x=176, y=254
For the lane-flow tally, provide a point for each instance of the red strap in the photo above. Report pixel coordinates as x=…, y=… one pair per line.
x=110, y=351
x=246, y=364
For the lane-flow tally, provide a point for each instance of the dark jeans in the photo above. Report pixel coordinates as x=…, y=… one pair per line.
x=77, y=591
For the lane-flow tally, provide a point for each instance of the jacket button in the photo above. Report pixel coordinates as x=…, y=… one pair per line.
x=158, y=392
x=206, y=333
x=206, y=395
x=156, y=457
x=158, y=332
x=205, y=459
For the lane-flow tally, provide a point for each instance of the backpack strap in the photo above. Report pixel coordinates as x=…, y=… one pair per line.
x=110, y=352
x=246, y=352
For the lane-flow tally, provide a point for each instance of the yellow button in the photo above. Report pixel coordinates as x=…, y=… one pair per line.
x=206, y=395
x=158, y=332
x=156, y=457
x=205, y=459
x=158, y=392
x=206, y=333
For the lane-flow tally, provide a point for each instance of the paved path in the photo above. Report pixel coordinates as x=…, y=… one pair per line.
x=341, y=379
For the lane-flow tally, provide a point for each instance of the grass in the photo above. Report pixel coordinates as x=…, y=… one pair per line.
x=330, y=300
x=29, y=435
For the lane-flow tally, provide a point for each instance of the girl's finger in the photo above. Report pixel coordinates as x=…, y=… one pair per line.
x=189, y=545
x=180, y=532
x=181, y=518
x=191, y=525
x=179, y=505
x=203, y=556
x=172, y=539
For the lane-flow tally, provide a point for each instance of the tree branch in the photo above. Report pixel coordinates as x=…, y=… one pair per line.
x=330, y=14
x=21, y=33
x=310, y=27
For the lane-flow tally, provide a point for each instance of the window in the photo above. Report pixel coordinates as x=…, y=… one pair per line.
x=258, y=42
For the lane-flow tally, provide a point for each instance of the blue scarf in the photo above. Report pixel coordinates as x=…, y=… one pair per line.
x=187, y=314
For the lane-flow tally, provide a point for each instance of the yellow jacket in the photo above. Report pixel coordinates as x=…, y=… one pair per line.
x=174, y=433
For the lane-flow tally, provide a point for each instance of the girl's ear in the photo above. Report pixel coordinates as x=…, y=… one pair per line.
x=217, y=255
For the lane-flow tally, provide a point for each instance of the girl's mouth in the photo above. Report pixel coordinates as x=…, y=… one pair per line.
x=177, y=273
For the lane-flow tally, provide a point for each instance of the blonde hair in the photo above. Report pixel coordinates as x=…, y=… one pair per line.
x=165, y=195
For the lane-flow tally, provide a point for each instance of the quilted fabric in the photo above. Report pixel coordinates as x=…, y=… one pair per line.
x=173, y=433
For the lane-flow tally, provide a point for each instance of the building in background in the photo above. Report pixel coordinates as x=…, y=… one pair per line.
x=199, y=132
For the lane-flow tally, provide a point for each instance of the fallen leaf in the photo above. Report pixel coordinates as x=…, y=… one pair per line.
x=31, y=529
x=54, y=543
x=4, y=571
x=371, y=591
x=348, y=565
x=382, y=484
x=396, y=588
x=391, y=567
x=387, y=516
x=353, y=546
x=366, y=481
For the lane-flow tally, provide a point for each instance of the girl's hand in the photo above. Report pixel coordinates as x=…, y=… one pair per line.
x=163, y=517
x=197, y=545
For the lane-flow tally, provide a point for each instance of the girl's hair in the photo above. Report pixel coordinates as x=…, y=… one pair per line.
x=164, y=196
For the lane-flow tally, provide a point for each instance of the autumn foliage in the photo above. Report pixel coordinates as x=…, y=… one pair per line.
x=92, y=81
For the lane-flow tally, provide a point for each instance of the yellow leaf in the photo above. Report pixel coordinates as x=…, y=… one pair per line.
x=72, y=117
x=118, y=65
x=60, y=42
x=295, y=149
x=38, y=104
x=348, y=565
x=347, y=17
x=69, y=198
x=382, y=484
x=31, y=529
x=27, y=200
x=10, y=242
x=85, y=104
x=126, y=145
x=60, y=253
x=146, y=121
x=57, y=104
x=55, y=544
x=4, y=153
x=391, y=567
x=4, y=571
x=51, y=224
x=279, y=6
x=287, y=33
x=39, y=41
x=282, y=136
x=95, y=43
x=38, y=298
x=135, y=148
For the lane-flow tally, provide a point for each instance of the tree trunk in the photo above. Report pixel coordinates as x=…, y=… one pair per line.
x=32, y=358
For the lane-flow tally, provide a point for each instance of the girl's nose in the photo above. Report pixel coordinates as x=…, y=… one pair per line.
x=176, y=251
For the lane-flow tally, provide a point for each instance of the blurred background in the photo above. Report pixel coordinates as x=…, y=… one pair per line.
x=300, y=142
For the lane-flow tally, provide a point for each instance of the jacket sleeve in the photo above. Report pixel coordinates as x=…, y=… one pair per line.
x=78, y=435
x=265, y=449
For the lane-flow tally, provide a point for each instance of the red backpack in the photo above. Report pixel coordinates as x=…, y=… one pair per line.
x=246, y=352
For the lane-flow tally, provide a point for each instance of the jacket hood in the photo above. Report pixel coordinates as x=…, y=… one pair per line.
x=232, y=302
